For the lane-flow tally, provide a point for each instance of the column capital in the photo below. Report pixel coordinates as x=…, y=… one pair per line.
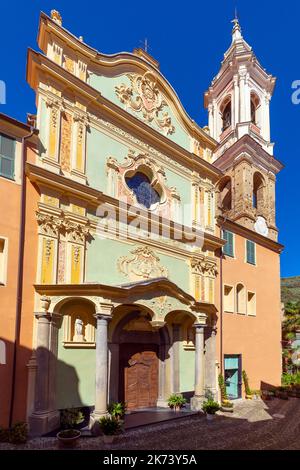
x=104, y=309
x=43, y=315
x=201, y=320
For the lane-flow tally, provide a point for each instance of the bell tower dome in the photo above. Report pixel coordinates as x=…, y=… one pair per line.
x=239, y=96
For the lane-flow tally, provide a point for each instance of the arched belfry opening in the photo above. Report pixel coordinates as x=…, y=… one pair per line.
x=255, y=109
x=225, y=193
x=258, y=191
x=226, y=114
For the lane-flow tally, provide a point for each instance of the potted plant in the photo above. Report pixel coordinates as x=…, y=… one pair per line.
x=210, y=407
x=117, y=410
x=176, y=401
x=69, y=419
x=226, y=404
x=283, y=393
x=246, y=384
x=110, y=426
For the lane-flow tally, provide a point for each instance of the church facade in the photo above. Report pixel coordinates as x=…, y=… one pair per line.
x=152, y=260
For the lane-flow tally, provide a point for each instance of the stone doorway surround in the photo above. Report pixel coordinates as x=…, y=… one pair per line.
x=159, y=297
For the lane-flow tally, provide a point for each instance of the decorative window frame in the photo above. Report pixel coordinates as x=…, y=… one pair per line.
x=170, y=203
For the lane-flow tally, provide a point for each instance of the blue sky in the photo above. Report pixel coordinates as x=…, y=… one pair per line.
x=188, y=39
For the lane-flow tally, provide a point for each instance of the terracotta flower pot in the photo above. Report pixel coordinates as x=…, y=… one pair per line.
x=210, y=417
x=108, y=439
x=68, y=441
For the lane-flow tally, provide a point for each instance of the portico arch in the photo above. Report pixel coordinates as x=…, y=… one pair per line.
x=138, y=352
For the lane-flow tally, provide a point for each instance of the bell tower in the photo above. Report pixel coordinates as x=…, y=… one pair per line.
x=239, y=96
x=239, y=119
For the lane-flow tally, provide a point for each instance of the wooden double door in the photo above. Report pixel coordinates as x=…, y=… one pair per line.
x=139, y=375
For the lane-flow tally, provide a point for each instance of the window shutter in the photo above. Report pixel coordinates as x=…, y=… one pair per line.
x=228, y=248
x=7, y=156
x=250, y=252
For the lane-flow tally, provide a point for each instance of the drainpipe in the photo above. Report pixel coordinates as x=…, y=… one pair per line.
x=20, y=273
x=221, y=302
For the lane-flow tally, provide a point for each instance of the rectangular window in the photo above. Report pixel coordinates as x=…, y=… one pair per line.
x=7, y=157
x=251, y=303
x=250, y=252
x=3, y=261
x=228, y=299
x=228, y=248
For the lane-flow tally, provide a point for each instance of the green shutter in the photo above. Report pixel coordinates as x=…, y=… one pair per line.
x=250, y=252
x=7, y=156
x=228, y=248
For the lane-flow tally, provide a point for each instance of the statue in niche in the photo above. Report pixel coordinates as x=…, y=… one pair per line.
x=78, y=329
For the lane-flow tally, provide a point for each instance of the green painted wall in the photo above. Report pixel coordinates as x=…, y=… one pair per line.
x=102, y=257
x=186, y=369
x=98, y=148
x=75, y=384
x=106, y=85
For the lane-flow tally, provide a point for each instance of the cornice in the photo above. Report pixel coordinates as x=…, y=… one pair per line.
x=123, y=292
x=69, y=187
x=250, y=234
x=251, y=149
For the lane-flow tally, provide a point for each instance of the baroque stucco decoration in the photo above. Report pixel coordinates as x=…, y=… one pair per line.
x=143, y=264
x=170, y=203
x=143, y=96
x=203, y=267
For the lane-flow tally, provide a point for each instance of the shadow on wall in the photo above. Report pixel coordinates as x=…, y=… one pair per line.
x=32, y=392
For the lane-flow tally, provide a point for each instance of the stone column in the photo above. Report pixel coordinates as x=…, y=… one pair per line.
x=236, y=115
x=175, y=358
x=198, y=398
x=44, y=418
x=210, y=362
x=101, y=373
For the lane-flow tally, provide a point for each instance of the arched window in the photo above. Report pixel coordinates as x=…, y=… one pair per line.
x=255, y=109
x=145, y=194
x=226, y=115
x=240, y=299
x=258, y=191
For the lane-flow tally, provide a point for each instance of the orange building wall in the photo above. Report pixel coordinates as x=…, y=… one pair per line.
x=9, y=228
x=256, y=338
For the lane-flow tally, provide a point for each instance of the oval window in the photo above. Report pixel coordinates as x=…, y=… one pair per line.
x=145, y=194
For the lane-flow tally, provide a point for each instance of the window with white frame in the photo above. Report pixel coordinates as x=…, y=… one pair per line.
x=250, y=252
x=251, y=303
x=241, y=299
x=228, y=298
x=3, y=260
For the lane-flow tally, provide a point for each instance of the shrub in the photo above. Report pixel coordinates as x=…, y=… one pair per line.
x=70, y=417
x=210, y=407
x=176, y=400
x=222, y=385
x=246, y=383
x=110, y=425
x=18, y=434
x=4, y=435
x=117, y=409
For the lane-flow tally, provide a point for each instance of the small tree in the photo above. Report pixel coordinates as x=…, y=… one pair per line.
x=222, y=385
x=246, y=383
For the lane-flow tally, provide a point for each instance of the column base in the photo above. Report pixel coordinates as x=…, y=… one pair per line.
x=196, y=402
x=94, y=422
x=43, y=422
x=162, y=403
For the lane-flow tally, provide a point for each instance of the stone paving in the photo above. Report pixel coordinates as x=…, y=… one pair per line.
x=255, y=424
